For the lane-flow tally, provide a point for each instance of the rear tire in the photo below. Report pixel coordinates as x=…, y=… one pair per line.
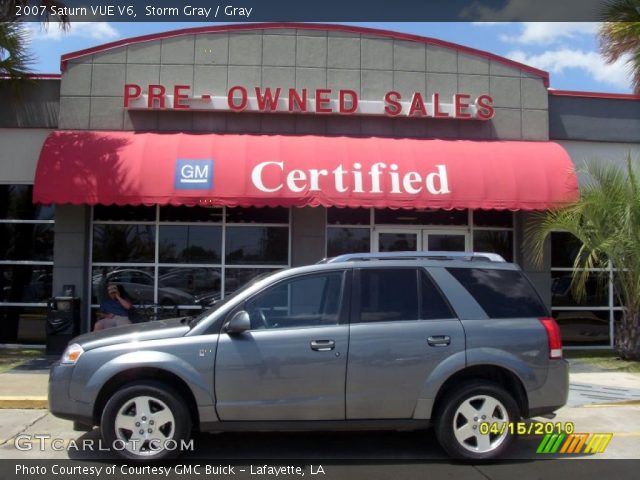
x=140, y=421
x=463, y=410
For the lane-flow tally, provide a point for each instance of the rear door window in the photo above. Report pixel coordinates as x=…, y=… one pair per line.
x=432, y=305
x=388, y=294
x=501, y=293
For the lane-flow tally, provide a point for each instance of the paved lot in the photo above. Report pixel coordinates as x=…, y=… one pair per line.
x=623, y=421
x=370, y=455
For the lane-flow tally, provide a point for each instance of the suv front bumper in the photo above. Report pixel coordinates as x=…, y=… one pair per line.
x=60, y=403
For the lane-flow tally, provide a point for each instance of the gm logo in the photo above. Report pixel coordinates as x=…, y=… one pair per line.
x=194, y=174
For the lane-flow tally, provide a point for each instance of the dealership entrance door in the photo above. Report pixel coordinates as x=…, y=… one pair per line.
x=421, y=239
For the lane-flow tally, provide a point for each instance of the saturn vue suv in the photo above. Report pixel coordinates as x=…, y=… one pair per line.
x=379, y=341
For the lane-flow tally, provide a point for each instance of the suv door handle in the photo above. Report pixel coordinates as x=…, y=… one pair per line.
x=439, y=340
x=323, y=345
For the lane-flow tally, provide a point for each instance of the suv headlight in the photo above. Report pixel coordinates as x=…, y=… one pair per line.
x=71, y=354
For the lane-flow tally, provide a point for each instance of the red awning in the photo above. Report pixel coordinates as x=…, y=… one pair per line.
x=82, y=167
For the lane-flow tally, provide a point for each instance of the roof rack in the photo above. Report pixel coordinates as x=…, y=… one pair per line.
x=469, y=256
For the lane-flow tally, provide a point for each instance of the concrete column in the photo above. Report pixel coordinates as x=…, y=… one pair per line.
x=71, y=253
x=540, y=275
x=308, y=235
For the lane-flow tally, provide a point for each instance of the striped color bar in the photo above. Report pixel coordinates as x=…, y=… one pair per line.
x=574, y=443
x=598, y=442
x=550, y=443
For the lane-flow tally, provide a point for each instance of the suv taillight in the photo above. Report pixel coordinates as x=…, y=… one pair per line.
x=553, y=335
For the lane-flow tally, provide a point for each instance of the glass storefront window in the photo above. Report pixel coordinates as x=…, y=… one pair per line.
x=257, y=245
x=494, y=241
x=179, y=258
x=258, y=215
x=597, y=290
x=397, y=242
x=126, y=213
x=235, y=278
x=16, y=204
x=137, y=282
x=579, y=326
x=564, y=249
x=348, y=216
x=583, y=328
x=191, y=214
x=190, y=244
x=493, y=218
x=25, y=283
x=23, y=324
x=348, y=240
x=123, y=243
x=202, y=284
x=26, y=269
x=388, y=216
x=26, y=241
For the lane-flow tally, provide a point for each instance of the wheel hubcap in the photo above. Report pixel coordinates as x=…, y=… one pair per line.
x=144, y=425
x=471, y=414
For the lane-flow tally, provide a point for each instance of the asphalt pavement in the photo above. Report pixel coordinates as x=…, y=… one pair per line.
x=599, y=402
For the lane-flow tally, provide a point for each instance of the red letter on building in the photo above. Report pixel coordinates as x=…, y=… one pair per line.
x=393, y=106
x=417, y=106
x=461, y=101
x=131, y=91
x=295, y=101
x=156, y=92
x=267, y=100
x=343, y=101
x=322, y=100
x=177, y=96
x=436, y=107
x=244, y=98
x=484, y=105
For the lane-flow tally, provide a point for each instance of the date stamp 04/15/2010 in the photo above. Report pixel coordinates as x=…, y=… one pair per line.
x=526, y=428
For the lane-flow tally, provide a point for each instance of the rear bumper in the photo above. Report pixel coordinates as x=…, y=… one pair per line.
x=60, y=403
x=555, y=391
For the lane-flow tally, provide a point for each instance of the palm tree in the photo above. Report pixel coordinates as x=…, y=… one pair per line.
x=15, y=59
x=620, y=35
x=606, y=220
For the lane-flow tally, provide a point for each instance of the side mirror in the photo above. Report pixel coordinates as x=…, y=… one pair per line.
x=238, y=324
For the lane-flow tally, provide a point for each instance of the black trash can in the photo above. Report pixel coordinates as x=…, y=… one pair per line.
x=63, y=323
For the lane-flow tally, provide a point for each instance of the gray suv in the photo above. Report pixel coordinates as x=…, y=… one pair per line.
x=402, y=340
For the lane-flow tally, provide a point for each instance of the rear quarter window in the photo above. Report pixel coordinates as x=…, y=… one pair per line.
x=501, y=293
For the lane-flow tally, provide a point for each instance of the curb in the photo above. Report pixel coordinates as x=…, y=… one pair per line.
x=29, y=403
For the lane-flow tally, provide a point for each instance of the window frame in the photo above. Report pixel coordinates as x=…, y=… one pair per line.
x=612, y=308
x=156, y=265
x=469, y=227
x=29, y=263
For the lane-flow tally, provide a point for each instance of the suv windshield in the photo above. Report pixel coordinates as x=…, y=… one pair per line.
x=195, y=320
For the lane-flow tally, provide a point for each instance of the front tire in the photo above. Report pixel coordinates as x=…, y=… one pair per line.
x=146, y=421
x=463, y=411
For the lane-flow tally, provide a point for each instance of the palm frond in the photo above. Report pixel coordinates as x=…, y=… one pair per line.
x=8, y=11
x=619, y=35
x=15, y=59
x=606, y=221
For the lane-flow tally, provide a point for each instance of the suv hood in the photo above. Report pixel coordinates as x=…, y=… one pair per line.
x=156, y=330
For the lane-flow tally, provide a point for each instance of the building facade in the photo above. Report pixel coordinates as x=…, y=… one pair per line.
x=183, y=164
